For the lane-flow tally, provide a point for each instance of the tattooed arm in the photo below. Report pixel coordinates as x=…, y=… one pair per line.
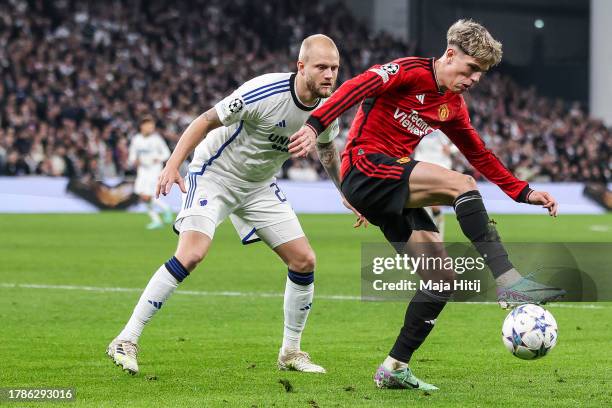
x=191, y=137
x=330, y=159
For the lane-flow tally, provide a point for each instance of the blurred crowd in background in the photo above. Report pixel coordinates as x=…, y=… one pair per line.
x=77, y=76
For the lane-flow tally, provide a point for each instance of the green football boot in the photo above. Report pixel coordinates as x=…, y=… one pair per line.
x=526, y=290
x=402, y=378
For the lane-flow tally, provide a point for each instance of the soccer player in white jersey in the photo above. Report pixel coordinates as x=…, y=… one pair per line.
x=241, y=143
x=436, y=148
x=148, y=152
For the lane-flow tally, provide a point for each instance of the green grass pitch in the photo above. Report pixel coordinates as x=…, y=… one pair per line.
x=219, y=350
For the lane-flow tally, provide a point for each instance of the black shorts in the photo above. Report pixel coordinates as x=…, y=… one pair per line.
x=377, y=186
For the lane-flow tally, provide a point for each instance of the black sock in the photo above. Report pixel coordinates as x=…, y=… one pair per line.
x=475, y=224
x=419, y=320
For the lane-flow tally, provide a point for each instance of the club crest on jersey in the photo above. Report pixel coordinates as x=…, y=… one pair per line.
x=236, y=105
x=403, y=160
x=443, y=112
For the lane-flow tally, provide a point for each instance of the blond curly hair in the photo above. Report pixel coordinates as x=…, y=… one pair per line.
x=474, y=40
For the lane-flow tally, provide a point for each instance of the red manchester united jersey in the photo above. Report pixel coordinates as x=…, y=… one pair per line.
x=401, y=103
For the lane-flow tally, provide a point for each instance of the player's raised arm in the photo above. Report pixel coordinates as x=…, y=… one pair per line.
x=471, y=145
x=191, y=137
x=370, y=83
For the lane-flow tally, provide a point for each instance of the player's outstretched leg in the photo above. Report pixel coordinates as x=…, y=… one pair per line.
x=124, y=349
x=299, y=292
x=421, y=315
x=192, y=248
x=512, y=288
x=431, y=184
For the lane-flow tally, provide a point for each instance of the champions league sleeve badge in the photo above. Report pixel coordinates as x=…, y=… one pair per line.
x=385, y=70
x=391, y=68
x=236, y=105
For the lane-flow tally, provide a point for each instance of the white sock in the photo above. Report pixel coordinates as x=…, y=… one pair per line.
x=392, y=364
x=159, y=289
x=298, y=300
x=508, y=278
x=160, y=204
x=152, y=213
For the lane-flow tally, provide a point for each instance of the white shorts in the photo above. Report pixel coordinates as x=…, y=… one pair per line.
x=257, y=211
x=145, y=183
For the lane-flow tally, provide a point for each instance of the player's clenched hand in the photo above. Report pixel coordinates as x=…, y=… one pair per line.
x=167, y=178
x=545, y=200
x=301, y=142
x=361, y=220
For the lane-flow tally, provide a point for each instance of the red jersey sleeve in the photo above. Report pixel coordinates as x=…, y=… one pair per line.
x=372, y=82
x=465, y=137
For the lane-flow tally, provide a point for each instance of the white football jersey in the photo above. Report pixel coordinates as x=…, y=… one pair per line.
x=435, y=148
x=258, y=118
x=150, y=151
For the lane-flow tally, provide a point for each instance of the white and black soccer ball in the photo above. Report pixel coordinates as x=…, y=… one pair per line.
x=529, y=332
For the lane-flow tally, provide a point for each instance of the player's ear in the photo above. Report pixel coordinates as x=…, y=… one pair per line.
x=450, y=54
x=300, y=67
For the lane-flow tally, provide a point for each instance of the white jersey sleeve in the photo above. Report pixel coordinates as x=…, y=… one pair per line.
x=243, y=104
x=233, y=108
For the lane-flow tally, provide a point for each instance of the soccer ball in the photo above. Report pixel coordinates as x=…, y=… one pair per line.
x=529, y=332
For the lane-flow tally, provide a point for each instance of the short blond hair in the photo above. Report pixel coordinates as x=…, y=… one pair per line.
x=474, y=40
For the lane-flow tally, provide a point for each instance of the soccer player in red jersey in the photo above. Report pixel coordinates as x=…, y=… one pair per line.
x=401, y=102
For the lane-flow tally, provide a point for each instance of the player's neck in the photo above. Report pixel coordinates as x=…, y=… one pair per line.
x=439, y=74
x=304, y=95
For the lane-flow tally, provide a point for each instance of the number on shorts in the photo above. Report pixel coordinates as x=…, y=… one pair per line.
x=279, y=194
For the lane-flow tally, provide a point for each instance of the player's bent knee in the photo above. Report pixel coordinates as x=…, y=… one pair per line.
x=192, y=248
x=190, y=259
x=470, y=183
x=303, y=263
x=462, y=184
x=191, y=256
